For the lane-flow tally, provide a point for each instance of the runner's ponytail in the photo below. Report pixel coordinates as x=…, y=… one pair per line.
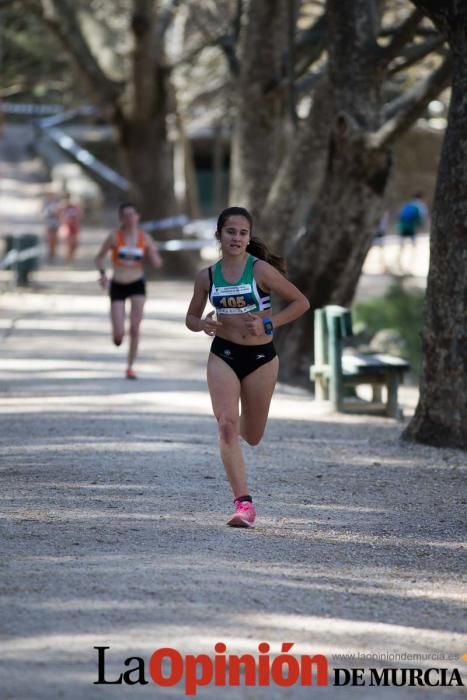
x=259, y=249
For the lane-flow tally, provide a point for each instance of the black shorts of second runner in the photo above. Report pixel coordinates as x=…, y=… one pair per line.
x=243, y=359
x=120, y=292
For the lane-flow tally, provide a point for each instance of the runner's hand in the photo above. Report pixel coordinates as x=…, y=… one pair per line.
x=254, y=324
x=103, y=281
x=209, y=325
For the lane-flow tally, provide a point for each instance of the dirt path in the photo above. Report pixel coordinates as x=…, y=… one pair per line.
x=114, y=503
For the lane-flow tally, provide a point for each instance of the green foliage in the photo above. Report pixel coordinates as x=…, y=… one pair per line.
x=400, y=309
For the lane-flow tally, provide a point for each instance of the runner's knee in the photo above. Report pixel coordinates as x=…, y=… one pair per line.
x=134, y=330
x=228, y=429
x=250, y=434
x=252, y=439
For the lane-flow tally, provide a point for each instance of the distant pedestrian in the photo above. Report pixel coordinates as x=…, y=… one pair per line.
x=412, y=216
x=130, y=247
x=51, y=214
x=70, y=221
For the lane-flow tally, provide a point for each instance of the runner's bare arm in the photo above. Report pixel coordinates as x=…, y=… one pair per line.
x=103, y=250
x=152, y=252
x=197, y=305
x=271, y=279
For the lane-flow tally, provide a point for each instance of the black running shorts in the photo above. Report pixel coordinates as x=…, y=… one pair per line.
x=243, y=359
x=120, y=292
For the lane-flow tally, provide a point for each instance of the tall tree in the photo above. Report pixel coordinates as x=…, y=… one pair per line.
x=133, y=87
x=441, y=414
x=336, y=161
x=326, y=262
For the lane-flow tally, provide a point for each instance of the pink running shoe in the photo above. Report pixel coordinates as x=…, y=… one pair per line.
x=244, y=516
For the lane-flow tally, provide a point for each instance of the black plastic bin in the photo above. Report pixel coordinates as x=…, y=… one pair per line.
x=21, y=242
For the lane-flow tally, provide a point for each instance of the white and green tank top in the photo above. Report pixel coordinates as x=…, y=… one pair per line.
x=239, y=297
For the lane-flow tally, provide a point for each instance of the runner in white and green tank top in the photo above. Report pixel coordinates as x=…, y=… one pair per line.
x=243, y=365
x=241, y=297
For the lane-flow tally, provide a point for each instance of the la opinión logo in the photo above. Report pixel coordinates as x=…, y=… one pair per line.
x=167, y=667
x=223, y=670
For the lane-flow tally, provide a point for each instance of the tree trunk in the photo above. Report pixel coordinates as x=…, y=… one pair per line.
x=186, y=186
x=218, y=168
x=257, y=139
x=152, y=178
x=441, y=414
x=326, y=262
x=298, y=179
x=153, y=183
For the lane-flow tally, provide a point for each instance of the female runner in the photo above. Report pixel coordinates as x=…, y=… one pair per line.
x=242, y=365
x=130, y=246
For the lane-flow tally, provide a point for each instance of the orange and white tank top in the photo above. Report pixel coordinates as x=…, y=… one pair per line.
x=128, y=256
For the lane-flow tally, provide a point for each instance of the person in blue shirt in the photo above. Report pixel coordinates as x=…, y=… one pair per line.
x=412, y=216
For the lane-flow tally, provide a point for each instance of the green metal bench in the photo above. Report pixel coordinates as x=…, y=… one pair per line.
x=335, y=372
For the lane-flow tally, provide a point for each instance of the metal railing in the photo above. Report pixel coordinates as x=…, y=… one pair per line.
x=29, y=109
x=87, y=160
x=49, y=126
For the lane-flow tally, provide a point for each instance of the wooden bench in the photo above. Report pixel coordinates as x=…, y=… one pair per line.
x=334, y=371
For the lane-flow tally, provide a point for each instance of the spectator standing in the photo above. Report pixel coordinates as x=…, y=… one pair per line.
x=70, y=220
x=51, y=214
x=412, y=216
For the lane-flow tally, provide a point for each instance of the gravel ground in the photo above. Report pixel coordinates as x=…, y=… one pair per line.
x=114, y=505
